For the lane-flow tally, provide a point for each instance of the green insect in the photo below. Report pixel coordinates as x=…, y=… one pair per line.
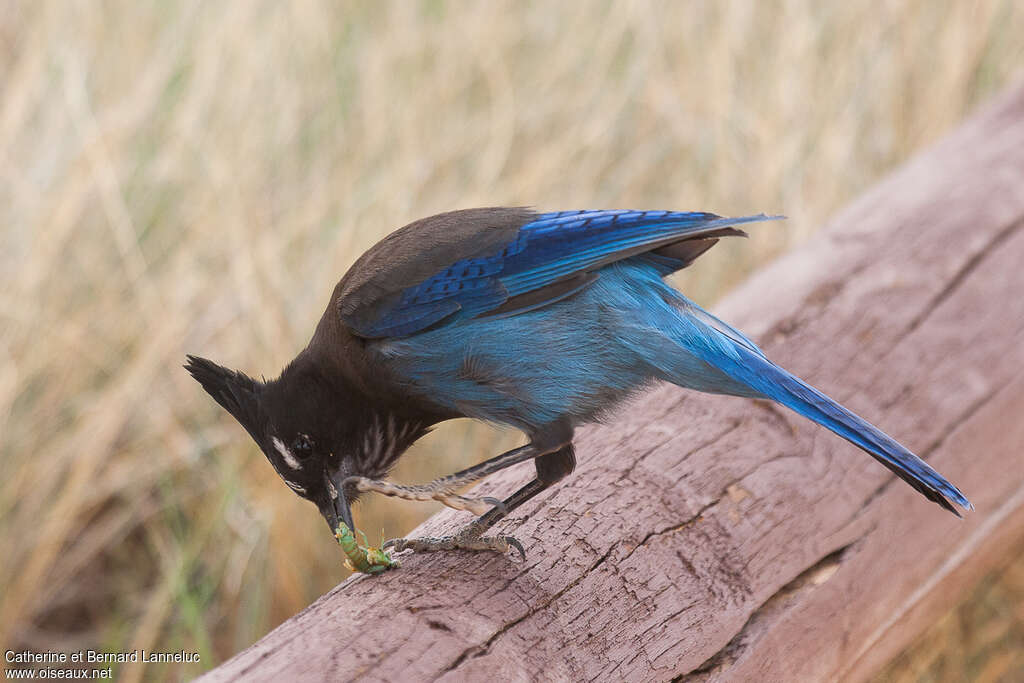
x=362, y=558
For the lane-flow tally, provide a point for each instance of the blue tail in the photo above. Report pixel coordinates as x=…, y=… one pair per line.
x=737, y=358
x=790, y=391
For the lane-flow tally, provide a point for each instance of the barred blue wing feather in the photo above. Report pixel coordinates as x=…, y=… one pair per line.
x=542, y=262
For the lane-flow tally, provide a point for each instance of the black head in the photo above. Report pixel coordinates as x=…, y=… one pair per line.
x=314, y=432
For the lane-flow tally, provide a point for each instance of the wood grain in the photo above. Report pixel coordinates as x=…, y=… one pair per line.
x=714, y=538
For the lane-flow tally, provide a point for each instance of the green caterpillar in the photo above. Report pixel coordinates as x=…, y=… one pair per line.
x=362, y=558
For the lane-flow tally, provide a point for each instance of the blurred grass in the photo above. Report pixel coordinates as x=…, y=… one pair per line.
x=194, y=177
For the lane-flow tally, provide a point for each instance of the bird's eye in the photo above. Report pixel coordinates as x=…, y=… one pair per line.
x=302, y=446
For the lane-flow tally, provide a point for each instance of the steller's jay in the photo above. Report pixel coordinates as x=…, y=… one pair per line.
x=538, y=321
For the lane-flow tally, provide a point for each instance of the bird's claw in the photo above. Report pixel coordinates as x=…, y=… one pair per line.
x=514, y=542
x=463, y=541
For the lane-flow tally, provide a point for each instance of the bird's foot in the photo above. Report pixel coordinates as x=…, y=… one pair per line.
x=440, y=490
x=470, y=538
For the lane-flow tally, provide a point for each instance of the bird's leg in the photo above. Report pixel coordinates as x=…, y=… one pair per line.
x=471, y=536
x=443, y=489
x=551, y=467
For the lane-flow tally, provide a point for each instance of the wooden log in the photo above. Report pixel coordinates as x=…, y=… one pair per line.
x=714, y=538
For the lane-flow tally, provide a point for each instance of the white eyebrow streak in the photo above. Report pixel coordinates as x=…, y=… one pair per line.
x=295, y=487
x=289, y=459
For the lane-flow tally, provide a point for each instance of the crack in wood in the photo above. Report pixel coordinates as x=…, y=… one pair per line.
x=479, y=650
x=482, y=649
x=781, y=600
x=962, y=274
x=963, y=417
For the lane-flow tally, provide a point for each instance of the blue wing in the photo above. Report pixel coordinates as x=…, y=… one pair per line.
x=549, y=258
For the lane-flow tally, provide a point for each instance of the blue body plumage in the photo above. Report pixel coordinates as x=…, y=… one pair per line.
x=580, y=357
x=538, y=321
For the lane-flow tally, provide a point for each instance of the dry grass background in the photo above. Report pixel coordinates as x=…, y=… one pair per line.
x=194, y=177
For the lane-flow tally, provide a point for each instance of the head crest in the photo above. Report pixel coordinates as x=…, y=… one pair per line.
x=235, y=391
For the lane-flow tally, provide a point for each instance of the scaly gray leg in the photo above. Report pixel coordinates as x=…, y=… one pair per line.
x=551, y=467
x=443, y=489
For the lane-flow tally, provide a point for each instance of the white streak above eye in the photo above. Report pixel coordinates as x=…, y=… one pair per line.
x=289, y=459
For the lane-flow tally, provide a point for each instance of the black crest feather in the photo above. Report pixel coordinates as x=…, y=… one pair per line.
x=235, y=391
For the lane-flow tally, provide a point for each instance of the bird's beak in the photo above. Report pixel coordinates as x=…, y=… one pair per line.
x=337, y=508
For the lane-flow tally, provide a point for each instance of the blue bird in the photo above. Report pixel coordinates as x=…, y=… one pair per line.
x=538, y=321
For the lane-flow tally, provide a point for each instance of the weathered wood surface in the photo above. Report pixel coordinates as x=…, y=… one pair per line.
x=721, y=539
